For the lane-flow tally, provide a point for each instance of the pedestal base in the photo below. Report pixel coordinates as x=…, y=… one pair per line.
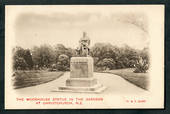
x=98, y=88
x=81, y=82
x=81, y=77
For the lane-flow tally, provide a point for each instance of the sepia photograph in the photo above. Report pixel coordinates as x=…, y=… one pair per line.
x=84, y=56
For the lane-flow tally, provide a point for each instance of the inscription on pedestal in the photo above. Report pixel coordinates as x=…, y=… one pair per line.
x=81, y=67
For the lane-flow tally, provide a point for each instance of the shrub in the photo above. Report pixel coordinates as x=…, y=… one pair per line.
x=63, y=63
x=119, y=64
x=141, y=66
x=53, y=67
x=107, y=63
x=20, y=64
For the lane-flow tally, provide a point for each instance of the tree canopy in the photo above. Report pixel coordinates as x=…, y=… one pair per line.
x=105, y=55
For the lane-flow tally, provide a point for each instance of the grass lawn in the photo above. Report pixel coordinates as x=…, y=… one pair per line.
x=139, y=79
x=23, y=79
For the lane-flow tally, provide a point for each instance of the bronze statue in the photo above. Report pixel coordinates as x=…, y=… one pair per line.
x=83, y=49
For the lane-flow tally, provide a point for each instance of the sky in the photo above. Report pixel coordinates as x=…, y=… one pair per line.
x=35, y=26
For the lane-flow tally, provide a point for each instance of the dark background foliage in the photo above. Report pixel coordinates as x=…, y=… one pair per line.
x=105, y=55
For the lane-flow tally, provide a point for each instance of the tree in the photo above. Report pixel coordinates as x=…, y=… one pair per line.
x=28, y=59
x=123, y=57
x=119, y=65
x=100, y=50
x=70, y=52
x=43, y=56
x=127, y=57
x=104, y=50
x=19, y=62
x=59, y=49
x=145, y=54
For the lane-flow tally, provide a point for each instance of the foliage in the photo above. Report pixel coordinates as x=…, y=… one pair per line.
x=105, y=55
x=43, y=56
x=22, y=59
x=107, y=63
x=63, y=63
x=108, y=56
x=28, y=59
x=20, y=63
x=141, y=66
x=61, y=49
x=104, y=50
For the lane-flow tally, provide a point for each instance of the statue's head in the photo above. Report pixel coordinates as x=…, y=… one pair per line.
x=84, y=34
x=85, y=41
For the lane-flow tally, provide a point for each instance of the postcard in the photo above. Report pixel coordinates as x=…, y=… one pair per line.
x=84, y=56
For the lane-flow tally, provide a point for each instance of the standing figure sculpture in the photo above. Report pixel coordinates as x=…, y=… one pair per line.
x=83, y=49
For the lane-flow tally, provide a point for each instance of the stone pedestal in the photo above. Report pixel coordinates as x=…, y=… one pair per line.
x=81, y=77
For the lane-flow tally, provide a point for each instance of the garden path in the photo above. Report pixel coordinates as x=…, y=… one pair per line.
x=115, y=85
